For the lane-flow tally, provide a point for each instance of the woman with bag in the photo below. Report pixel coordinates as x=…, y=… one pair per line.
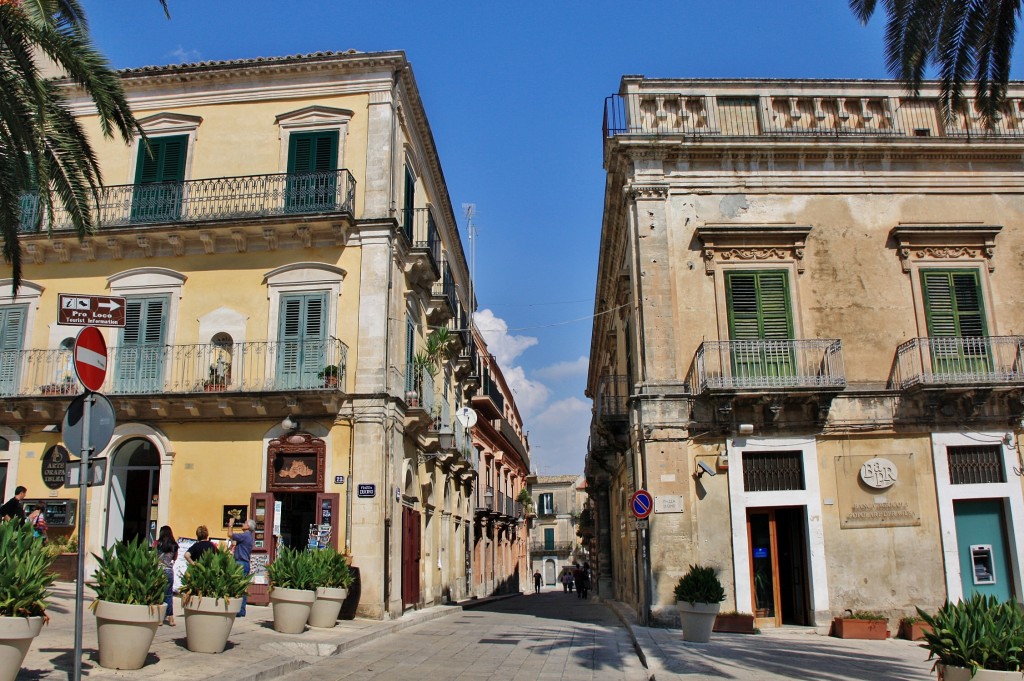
x=167, y=549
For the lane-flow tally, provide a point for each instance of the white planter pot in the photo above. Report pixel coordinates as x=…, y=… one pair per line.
x=698, y=620
x=324, y=613
x=16, y=634
x=950, y=673
x=291, y=609
x=208, y=623
x=125, y=633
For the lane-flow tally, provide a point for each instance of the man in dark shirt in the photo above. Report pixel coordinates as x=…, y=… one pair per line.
x=201, y=546
x=13, y=508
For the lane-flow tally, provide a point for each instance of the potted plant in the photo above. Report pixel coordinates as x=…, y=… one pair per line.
x=979, y=638
x=332, y=576
x=63, y=551
x=912, y=628
x=862, y=624
x=735, y=623
x=699, y=595
x=211, y=596
x=25, y=578
x=129, y=606
x=292, y=589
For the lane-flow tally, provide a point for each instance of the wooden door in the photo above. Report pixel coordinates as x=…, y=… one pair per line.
x=410, y=557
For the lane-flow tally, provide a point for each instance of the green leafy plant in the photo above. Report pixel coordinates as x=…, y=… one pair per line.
x=330, y=371
x=330, y=569
x=700, y=585
x=978, y=633
x=25, y=576
x=215, y=575
x=129, y=573
x=864, y=615
x=910, y=620
x=525, y=499
x=58, y=545
x=292, y=569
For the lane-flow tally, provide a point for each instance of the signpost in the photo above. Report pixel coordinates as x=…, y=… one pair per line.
x=641, y=503
x=86, y=310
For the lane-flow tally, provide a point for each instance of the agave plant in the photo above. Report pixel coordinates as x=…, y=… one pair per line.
x=330, y=569
x=293, y=569
x=978, y=633
x=215, y=575
x=700, y=585
x=25, y=575
x=129, y=573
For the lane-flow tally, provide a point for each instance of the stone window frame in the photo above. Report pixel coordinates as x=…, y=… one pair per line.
x=947, y=246
x=166, y=124
x=314, y=118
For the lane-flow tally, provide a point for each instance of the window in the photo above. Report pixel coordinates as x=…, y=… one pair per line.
x=140, y=359
x=302, y=336
x=312, y=166
x=546, y=504
x=408, y=202
x=971, y=465
x=549, y=539
x=159, y=179
x=760, y=323
x=12, y=333
x=955, y=315
x=773, y=471
x=411, y=382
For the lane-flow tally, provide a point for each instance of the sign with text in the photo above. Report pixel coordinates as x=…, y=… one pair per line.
x=366, y=491
x=86, y=310
x=861, y=501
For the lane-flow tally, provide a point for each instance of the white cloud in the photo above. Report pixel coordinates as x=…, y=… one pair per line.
x=183, y=56
x=530, y=396
x=558, y=437
x=563, y=370
x=503, y=346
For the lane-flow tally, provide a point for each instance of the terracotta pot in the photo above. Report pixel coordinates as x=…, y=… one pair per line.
x=125, y=632
x=16, y=634
x=698, y=619
x=872, y=630
x=291, y=609
x=208, y=623
x=951, y=673
x=734, y=624
x=326, y=607
x=913, y=632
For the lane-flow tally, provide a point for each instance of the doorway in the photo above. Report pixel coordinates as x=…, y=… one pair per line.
x=298, y=515
x=981, y=543
x=134, y=492
x=779, y=565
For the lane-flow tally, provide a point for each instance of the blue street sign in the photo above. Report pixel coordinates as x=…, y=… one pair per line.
x=366, y=491
x=641, y=503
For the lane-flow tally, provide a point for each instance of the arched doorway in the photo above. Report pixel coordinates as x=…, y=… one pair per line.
x=134, y=492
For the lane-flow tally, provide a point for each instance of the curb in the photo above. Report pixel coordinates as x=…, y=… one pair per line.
x=628, y=622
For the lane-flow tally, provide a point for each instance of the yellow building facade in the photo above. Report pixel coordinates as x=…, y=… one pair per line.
x=285, y=246
x=807, y=348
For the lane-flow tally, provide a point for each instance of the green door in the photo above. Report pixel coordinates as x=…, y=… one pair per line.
x=312, y=166
x=159, y=179
x=12, y=332
x=302, y=341
x=549, y=539
x=956, y=322
x=140, y=359
x=981, y=538
x=760, y=327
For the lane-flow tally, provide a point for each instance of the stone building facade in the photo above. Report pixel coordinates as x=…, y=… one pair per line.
x=557, y=504
x=807, y=347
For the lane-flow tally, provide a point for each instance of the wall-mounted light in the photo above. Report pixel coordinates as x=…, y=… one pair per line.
x=290, y=424
x=746, y=429
x=446, y=438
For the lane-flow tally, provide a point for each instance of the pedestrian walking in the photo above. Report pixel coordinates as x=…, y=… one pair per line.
x=577, y=578
x=566, y=580
x=13, y=508
x=243, y=550
x=37, y=518
x=583, y=586
x=167, y=551
x=537, y=579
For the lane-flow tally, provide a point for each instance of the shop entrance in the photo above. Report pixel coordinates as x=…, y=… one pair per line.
x=133, y=494
x=779, y=565
x=298, y=514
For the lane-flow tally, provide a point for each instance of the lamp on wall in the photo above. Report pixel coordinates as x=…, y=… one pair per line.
x=446, y=438
x=290, y=424
x=489, y=498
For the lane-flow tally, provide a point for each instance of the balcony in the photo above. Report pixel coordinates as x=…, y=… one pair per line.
x=987, y=362
x=782, y=115
x=423, y=264
x=209, y=200
x=610, y=404
x=512, y=437
x=489, y=401
x=443, y=301
x=558, y=548
x=250, y=367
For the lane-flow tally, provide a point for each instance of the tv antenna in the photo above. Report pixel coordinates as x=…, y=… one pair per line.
x=469, y=210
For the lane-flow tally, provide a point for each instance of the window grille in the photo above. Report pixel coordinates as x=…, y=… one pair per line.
x=973, y=465
x=773, y=471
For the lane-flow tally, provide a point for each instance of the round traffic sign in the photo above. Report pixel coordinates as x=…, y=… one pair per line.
x=90, y=358
x=101, y=423
x=641, y=503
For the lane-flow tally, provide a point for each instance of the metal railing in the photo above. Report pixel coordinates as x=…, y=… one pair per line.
x=560, y=548
x=770, y=364
x=257, y=366
x=957, y=360
x=422, y=231
x=218, y=198
x=445, y=287
x=489, y=388
x=668, y=113
x=612, y=397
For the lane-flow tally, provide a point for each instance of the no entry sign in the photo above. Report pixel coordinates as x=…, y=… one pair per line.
x=91, y=358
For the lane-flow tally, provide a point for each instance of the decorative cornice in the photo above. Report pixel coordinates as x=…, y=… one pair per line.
x=945, y=242
x=783, y=243
x=639, y=192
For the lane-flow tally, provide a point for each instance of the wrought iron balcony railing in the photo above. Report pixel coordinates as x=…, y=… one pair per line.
x=558, y=548
x=258, y=366
x=805, y=115
x=419, y=226
x=446, y=286
x=612, y=398
x=958, y=361
x=220, y=198
x=770, y=364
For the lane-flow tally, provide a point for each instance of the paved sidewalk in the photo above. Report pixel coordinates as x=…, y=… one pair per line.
x=255, y=652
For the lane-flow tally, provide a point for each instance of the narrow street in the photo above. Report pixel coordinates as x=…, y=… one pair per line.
x=549, y=636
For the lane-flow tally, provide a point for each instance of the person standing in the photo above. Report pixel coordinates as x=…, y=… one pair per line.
x=243, y=550
x=38, y=521
x=167, y=550
x=536, y=582
x=577, y=578
x=13, y=508
x=201, y=546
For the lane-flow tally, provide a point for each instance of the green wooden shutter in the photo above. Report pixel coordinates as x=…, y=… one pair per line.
x=312, y=162
x=954, y=310
x=140, y=360
x=12, y=335
x=760, y=314
x=408, y=203
x=302, y=340
x=410, y=353
x=549, y=539
x=161, y=165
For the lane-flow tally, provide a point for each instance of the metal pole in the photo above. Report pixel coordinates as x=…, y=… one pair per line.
x=83, y=473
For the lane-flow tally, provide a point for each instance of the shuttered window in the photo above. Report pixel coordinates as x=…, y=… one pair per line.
x=408, y=203
x=410, y=353
x=549, y=539
x=312, y=162
x=12, y=334
x=760, y=324
x=141, y=357
x=955, y=314
x=302, y=340
x=159, y=174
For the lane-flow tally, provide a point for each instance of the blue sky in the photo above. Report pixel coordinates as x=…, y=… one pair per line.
x=514, y=94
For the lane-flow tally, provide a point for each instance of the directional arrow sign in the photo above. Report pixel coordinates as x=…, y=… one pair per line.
x=91, y=358
x=86, y=310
